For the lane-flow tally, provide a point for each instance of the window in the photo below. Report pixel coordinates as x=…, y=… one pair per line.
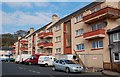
x=97, y=44
x=95, y=9
x=96, y=26
x=58, y=50
x=61, y=61
x=58, y=27
x=50, y=29
x=80, y=47
x=116, y=37
x=58, y=38
x=116, y=57
x=79, y=18
x=79, y=32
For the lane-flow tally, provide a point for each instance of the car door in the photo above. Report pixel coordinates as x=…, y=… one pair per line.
x=56, y=64
x=62, y=65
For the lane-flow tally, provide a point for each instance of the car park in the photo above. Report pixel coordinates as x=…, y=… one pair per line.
x=67, y=66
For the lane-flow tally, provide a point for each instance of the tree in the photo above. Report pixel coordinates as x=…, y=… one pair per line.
x=20, y=33
x=9, y=39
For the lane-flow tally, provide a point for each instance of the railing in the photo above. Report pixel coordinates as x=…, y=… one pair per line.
x=41, y=34
x=23, y=48
x=48, y=34
x=106, y=10
x=93, y=33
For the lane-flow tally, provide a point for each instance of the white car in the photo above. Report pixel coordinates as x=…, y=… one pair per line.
x=46, y=60
x=23, y=57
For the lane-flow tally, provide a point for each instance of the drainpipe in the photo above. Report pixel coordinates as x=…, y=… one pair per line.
x=110, y=51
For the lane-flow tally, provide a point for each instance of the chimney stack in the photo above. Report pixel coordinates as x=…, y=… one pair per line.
x=31, y=30
x=55, y=18
x=19, y=37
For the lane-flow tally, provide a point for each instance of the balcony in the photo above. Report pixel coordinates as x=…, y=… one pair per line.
x=41, y=44
x=24, y=42
x=48, y=34
x=48, y=45
x=23, y=48
x=94, y=34
x=40, y=35
x=107, y=12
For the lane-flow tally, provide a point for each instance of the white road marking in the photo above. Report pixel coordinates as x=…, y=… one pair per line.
x=37, y=72
x=33, y=71
x=20, y=68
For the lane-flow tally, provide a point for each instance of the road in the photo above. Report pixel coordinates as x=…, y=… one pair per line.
x=15, y=70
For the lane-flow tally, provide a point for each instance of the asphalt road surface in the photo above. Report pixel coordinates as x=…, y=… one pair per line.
x=21, y=70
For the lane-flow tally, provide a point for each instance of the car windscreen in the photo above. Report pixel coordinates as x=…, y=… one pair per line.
x=69, y=62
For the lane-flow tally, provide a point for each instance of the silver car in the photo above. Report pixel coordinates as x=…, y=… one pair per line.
x=67, y=66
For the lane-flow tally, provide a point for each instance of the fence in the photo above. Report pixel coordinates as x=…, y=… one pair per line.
x=90, y=60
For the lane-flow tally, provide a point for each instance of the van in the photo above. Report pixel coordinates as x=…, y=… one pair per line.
x=46, y=60
x=23, y=57
x=33, y=59
x=17, y=59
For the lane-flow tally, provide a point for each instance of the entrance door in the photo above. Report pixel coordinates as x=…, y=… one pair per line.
x=67, y=37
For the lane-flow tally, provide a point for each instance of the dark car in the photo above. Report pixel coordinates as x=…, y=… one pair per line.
x=10, y=60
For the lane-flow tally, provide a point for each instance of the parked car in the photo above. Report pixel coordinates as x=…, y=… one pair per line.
x=33, y=59
x=23, y=57
x=17, y=59
x=46, y=60
x=10, y=60
x=3, y=58
x=67, y=66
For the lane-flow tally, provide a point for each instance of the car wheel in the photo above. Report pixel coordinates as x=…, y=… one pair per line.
x=67, y=70
x=30, y=63
x=46, y=65
x=54, y=69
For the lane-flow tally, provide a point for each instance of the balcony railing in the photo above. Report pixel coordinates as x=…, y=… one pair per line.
x=40, y=35
x=107, y=12
x=24, y=42
x=41, y=44
x=94, y=34
x=45, y=45
x=48, y=34
x=48, y=45
x=24, y=48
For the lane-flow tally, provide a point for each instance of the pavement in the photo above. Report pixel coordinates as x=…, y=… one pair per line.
x=111, y=73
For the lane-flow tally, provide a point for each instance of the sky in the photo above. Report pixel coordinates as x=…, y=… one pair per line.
x=24, y=15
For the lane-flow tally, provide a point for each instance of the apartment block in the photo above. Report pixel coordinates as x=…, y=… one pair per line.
x=83, y=31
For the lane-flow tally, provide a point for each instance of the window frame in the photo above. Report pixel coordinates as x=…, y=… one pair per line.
x=97, y=44
x=79, y=18
x=114, y=57
x=58, y=50
x=56, y=39
x=117, y=37
x=79, y=32
x=58, y=27
x=80, y=47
